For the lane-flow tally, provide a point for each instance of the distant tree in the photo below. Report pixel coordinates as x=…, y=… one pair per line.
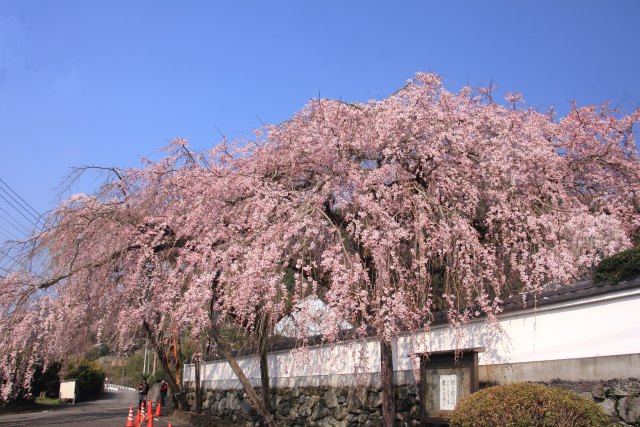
x=621, y=266
x=97, y=351
x=133, y=367
x=89, y=378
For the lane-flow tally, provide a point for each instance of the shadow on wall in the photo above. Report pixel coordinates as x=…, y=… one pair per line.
x=355, y=363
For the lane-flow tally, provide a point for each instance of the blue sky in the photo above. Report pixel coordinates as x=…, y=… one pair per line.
x=104, y=82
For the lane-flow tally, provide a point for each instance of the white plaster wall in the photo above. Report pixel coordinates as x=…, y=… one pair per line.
x=339, y=359
x=597, y=326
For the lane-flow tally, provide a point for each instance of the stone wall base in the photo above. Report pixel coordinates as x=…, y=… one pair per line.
x=341, y=407
x=346, y=407
x=620, y=399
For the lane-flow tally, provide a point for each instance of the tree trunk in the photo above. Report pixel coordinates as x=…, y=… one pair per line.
x=177, y=392
x=198, y=386
x=386, y=369
x=264, y=366
x=248, y=388
x=178, y=359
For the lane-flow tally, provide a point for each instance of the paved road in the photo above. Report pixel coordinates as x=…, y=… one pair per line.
x=109, y=411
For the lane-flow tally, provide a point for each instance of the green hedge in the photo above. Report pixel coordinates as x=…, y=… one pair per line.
x=621, y=266
x=47, y=381
x=527, y=405
x=89, y=378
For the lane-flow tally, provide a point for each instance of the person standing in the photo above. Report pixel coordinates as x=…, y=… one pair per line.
x=164, y=387
x=143, y=391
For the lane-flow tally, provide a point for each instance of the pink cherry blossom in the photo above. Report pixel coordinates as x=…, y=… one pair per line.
x=386, y=211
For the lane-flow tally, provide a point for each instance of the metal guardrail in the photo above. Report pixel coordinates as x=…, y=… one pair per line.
x=117, y=387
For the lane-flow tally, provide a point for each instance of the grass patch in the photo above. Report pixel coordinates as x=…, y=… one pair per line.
x=47, y=401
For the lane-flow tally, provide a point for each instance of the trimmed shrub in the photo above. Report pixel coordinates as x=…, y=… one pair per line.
x=621, y=266
x=527, y=405
x=89, y=378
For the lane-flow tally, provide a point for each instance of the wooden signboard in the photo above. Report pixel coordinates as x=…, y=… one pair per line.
x=444, y=380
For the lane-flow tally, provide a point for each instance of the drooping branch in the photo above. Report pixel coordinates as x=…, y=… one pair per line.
x=101, y=262
x=176, y=388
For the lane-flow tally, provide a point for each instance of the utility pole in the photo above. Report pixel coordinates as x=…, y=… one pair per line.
x=144, y=362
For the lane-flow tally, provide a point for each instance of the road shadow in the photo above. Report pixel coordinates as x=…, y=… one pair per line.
x=46, y=419
x=109, y=406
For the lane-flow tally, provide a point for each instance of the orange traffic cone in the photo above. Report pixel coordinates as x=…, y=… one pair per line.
x=130, y=418
x=138, y=418
x=150, y=414
x=158, y=410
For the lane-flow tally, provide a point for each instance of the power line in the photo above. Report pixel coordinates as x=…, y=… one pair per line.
x=23, y=208
x=16, y=261
x=5, y=270
x=37, y=215
x=18, y=210
x=12, y=222
x=20, y=263
x=7, y=233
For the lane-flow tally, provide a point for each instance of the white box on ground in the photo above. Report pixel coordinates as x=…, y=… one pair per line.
x=68, y=390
